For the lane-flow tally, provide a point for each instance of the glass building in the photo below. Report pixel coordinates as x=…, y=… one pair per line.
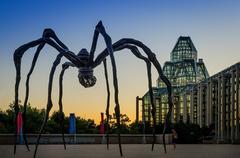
x=199, y=99
x=215, y=103
x=183, y=70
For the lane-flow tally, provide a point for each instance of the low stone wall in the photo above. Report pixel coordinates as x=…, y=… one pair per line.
x=88, y=139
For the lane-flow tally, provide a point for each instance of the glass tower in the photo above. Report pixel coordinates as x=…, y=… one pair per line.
x=183, y=70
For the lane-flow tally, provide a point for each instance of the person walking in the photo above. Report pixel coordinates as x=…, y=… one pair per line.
x=174, y=138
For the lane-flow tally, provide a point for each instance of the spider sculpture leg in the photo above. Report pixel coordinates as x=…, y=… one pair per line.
x=108, y=100
x=64, y=67
x=49, y=102
x=47, y=33
x=27, y=91
x=92, y=51
x=136, y=52
x=152, y=58
x=100, y=28
x=60, y=103
x=168, y=117
x=17, y=60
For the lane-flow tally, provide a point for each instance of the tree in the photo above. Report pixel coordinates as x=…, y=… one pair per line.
x=85, y=125
x=124, y=121
x=5, y=122
x=54, y=123
x=34, y=118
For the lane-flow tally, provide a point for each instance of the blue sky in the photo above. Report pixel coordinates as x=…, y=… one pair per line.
x=213, y=26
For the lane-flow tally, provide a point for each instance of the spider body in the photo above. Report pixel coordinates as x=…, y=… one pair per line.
x=86, y=63
x=85, y=75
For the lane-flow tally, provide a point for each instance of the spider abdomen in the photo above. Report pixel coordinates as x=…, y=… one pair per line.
x=86, y=77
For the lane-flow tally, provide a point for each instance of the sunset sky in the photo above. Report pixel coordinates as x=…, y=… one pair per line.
x=213, y=25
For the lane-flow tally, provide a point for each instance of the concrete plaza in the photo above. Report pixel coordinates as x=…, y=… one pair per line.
x=130, y=151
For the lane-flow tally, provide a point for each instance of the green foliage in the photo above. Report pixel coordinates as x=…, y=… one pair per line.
x=85, y=126
x=134, y=128
x=54, y=123
x=187, y=132
x=124, y=121
x=34, y=119
x=5, y=122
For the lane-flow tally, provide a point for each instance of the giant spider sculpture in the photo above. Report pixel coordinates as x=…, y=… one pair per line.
x=85, y=63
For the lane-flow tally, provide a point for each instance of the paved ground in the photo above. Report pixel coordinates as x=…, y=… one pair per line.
x=130, y=151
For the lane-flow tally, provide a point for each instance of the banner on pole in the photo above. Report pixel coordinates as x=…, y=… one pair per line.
x=72, y=122
x=102, y=123
x=72, y=126
x=19, y=127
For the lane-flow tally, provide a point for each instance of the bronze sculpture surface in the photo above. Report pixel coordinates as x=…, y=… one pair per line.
x=86, y=63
